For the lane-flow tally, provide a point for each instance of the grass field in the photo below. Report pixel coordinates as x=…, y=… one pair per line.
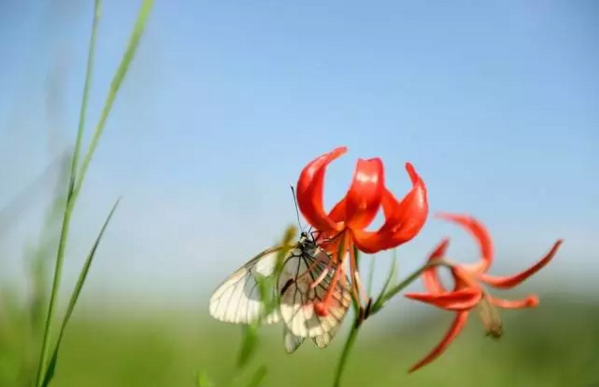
x=555, y=346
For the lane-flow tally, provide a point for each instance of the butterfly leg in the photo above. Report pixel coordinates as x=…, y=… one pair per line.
x=317, y=260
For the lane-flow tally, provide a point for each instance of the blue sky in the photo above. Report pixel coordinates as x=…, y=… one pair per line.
x=495, y=103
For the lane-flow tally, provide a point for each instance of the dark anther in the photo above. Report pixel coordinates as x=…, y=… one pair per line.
x=368, y=307
x=360, y=318
x=495, y=333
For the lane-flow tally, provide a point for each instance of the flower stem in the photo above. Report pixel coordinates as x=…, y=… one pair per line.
x=349, y=343
x=376, y=307
x=386, y=296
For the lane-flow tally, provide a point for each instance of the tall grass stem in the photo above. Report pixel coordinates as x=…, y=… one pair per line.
x=78, y=176
x=70, y=203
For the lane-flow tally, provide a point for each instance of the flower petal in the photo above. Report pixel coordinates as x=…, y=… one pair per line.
x=528, y=302
x=511, y=281
x=482, y=236
x=430, y=276
x=458, y=324
x=310, y=190
x=410, y=215
x=404, y=219
x=463, y=299
x=363, y=198
x=337, y=214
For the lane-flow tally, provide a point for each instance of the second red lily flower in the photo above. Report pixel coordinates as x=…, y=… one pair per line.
x=469, y=291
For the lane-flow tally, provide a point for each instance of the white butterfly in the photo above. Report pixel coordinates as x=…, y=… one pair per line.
x=304, y=278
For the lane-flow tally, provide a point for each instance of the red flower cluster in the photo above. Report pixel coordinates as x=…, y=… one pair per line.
x=343, y=229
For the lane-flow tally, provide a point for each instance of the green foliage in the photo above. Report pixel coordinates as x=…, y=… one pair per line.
x=21, y=319
x=74, y=297
x=46, y=368
x=203, y=381
x=249, y=345
x=552, y=346
x=257, y=377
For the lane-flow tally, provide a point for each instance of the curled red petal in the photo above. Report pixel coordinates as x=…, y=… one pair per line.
x=528, y=302
x=482, y=236
x=463, y=299
x=430, y=276
x=363, y=198
x=410, y=215
x=456, y=327
x=310, y=190
x=404, y=219
x=337, y=214
x=511, y=281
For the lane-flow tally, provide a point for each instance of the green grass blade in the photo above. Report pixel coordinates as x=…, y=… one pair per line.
x=70, y=204
x=138, y=29
x=49, y=374
x=249, y=344
x=257, y=377
x=76, y=180
x=45, y=251
x=86, y=87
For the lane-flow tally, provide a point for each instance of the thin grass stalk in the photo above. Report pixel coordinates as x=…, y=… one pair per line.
x=76, y=179
x=70, y=204
x=49, y=372
x=115, y=85
x=86, y=86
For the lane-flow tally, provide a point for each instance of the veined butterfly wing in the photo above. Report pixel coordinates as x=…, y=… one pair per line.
x=291, y=341
x=325, y=339
x=238, y=300
x=302, y=269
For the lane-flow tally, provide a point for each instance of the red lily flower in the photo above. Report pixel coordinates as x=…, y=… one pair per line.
x=468, y=291
x=346, y=223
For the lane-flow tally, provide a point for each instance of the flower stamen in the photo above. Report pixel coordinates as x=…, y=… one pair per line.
x=322, y=308
x=320, y=278
x=490, y=318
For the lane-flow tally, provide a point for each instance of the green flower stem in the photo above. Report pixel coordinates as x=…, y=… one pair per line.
x=376, y=307
x=349, y=344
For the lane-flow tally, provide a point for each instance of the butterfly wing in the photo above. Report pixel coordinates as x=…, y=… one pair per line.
x=238, y=300
x=297, y=298
x=292, y=342
x=325, y=339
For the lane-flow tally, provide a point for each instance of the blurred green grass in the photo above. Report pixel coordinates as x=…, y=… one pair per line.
x=554, y=345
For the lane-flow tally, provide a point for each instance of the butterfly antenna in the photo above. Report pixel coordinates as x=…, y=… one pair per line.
x=296, y=208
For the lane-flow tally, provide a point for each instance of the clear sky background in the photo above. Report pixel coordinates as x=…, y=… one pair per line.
x=495, y=103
